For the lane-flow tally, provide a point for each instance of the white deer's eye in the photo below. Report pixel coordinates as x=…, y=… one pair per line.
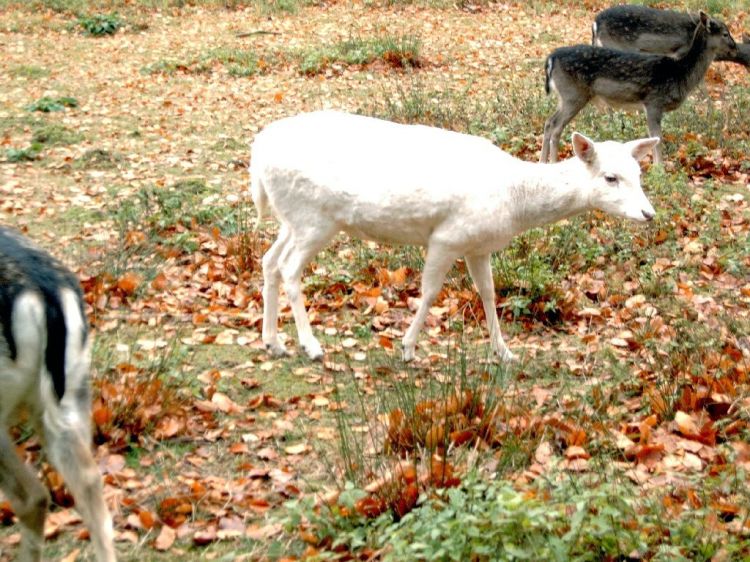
x=611, y=179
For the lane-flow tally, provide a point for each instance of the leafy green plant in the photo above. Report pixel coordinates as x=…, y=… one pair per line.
x=47, y=104
x=98, y=25
x=27, y=154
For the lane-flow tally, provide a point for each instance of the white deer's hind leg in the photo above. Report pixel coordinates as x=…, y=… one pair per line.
x=300, y=250
x=481, y=272
x=436, y=265
x=271, y=283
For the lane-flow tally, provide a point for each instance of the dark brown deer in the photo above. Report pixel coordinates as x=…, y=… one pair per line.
x=659, y=84
x=661, y=32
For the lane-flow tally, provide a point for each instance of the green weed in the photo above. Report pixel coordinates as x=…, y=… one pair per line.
x=27, y=154
x=48, y=105
x=98, y=25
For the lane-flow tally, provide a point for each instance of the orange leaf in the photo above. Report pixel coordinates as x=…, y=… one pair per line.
x=238, y=448
x=369, y=506
x=160, y=282
x=463, y=436
x=409, y=474
x=147, y=519
x=129, y=282
x=407, y=501
x=102, y=415
x=435, y=437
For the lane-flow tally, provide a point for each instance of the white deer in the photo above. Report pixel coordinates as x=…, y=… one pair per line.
x=455, y=194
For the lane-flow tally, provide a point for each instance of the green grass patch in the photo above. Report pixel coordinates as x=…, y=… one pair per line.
x=238, y=63
x=399, y=51
x=55, y=134
x=282, y=7
x=77, y=7
x=29, y=71
x=97, y=159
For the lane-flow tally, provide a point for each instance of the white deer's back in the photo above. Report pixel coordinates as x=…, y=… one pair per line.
x=373, y=176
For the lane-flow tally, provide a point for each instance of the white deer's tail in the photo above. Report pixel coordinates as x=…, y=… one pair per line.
x=260, y=198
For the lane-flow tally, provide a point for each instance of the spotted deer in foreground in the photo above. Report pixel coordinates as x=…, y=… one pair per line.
x=45, y=350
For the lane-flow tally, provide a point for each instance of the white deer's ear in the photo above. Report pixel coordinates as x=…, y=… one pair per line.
x=584, y=148
x=641, y=147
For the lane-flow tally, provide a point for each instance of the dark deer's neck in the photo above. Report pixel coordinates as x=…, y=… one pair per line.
x=697, y=60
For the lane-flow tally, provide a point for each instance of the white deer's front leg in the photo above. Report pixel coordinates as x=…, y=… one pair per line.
x=436, y=265
x=481, y=272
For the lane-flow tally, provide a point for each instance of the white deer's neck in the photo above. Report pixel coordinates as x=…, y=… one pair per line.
x=549, y=193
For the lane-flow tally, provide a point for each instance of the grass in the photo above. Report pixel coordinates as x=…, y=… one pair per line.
x=29, y=71
x=396, y=51
x=54, y=134
x=75, y=7
x=170, y=201
x=238, y=63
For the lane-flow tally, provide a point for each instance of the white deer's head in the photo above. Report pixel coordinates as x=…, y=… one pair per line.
x=616, y=175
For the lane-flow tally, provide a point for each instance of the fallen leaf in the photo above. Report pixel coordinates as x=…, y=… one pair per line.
x=297, y=449
x=166, y=538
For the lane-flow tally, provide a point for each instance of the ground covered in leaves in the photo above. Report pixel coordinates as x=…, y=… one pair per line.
x=125, y=143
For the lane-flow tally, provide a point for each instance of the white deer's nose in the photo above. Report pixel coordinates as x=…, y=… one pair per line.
x=649, y=215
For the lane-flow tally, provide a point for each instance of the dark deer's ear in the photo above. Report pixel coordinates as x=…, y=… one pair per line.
x=584, y=148
x=704, y=18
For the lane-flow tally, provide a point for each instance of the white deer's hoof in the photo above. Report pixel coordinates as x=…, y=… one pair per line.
x=276, y=349
x=408, y=354
x=506, y=356
x=313, y=350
